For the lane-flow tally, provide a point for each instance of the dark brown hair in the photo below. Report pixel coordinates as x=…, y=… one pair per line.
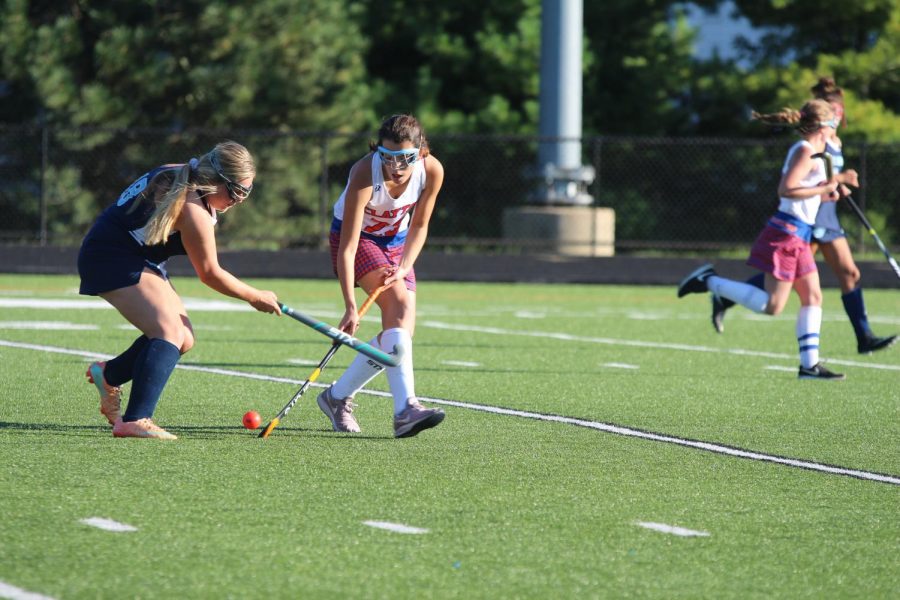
x=402, y=128
x=826, y=89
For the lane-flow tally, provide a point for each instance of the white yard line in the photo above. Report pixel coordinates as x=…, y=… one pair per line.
x=395, y=527
x=460, y=363
x=15, y=593
x=672, y=529
x=641, y=344
x=108, y=525
x=47, y=326
x=596, y=425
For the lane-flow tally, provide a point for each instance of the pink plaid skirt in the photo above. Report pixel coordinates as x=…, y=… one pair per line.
x=371, y=256
x=787, y=257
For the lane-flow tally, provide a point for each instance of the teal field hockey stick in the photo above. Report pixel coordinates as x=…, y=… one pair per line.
x=317, y=371
x=389, y=360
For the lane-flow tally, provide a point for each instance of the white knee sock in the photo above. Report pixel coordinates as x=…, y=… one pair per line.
x=809, y=324
x=360, y=372
x=748, y=296
x=400, y=378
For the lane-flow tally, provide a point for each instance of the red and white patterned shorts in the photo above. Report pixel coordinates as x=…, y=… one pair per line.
x=787, y=257
x=370, y=256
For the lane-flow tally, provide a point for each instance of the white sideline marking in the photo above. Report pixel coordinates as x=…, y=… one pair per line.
x=47, y=325
x=303, y=362
x=646, y=316
x=96, y=304
x=395, y=527
x=639, y=344
x=14, y=593
x=108, y=525
x=615, y=365
x=662, y=527
x=527, y=314
x=598, y=425
x=780, y=368
x=460, y=363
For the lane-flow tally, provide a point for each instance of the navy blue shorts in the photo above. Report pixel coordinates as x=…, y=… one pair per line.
x=104, y=268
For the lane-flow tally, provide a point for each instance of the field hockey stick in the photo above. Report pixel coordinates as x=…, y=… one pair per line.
x=317, y=371
x=871, y=230
x=829, y=171
x=390, y=360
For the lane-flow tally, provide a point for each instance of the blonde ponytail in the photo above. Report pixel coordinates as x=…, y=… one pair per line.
x=159, y=227
x=198, y=176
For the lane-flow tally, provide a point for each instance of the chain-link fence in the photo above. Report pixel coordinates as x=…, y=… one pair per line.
x=668, y=194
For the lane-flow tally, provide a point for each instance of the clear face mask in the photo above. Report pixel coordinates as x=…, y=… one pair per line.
x=398, y=159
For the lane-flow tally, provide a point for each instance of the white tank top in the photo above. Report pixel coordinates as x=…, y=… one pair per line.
x=806, y=209
x=384, y=215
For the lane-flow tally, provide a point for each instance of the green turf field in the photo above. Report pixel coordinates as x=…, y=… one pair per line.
x=608, y=394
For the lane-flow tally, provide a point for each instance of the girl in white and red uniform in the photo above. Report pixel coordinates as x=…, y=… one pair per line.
x=379, y=228
x=782, y=249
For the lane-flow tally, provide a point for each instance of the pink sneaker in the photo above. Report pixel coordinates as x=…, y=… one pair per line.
x=109, y=396
x=416, y=418
x=339, y=410
x=142, y=428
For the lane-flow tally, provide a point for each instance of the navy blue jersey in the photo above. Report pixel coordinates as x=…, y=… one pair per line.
x=114, y=252
x=123, y=222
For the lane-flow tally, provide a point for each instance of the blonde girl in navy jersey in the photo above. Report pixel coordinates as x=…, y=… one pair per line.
x=379, y=228
x=167, y=211
x=782, y=250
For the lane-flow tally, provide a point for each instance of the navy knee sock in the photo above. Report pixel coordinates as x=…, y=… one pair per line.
x=856, y=310
x=120, y=369
x=151, y=372
x=758, y=280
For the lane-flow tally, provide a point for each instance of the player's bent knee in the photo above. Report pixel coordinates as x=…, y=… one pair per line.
x=851, y=277
x=188, y=342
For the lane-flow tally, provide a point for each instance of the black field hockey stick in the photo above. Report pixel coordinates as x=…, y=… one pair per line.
x=390, y=360
x=829, y=172
x=871, y=230
x=316, y=372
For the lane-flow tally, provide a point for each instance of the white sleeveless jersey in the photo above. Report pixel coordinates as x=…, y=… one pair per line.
x=384, y=215
x=806, y=209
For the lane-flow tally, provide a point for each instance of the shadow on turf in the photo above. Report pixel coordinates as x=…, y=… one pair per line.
x=53, y=428
x=195, y=431
x=211, y=431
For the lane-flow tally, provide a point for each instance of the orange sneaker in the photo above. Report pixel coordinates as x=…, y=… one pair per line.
x=142, y=428
x=109, y=395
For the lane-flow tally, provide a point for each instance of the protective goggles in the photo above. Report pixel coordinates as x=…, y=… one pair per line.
x=833, y=123
x=398, y=159
x=236, y=191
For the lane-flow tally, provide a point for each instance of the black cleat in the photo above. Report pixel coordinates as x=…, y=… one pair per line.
x=718, y=313
x=872, y=344
x=817, y=371
x=695, y=283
